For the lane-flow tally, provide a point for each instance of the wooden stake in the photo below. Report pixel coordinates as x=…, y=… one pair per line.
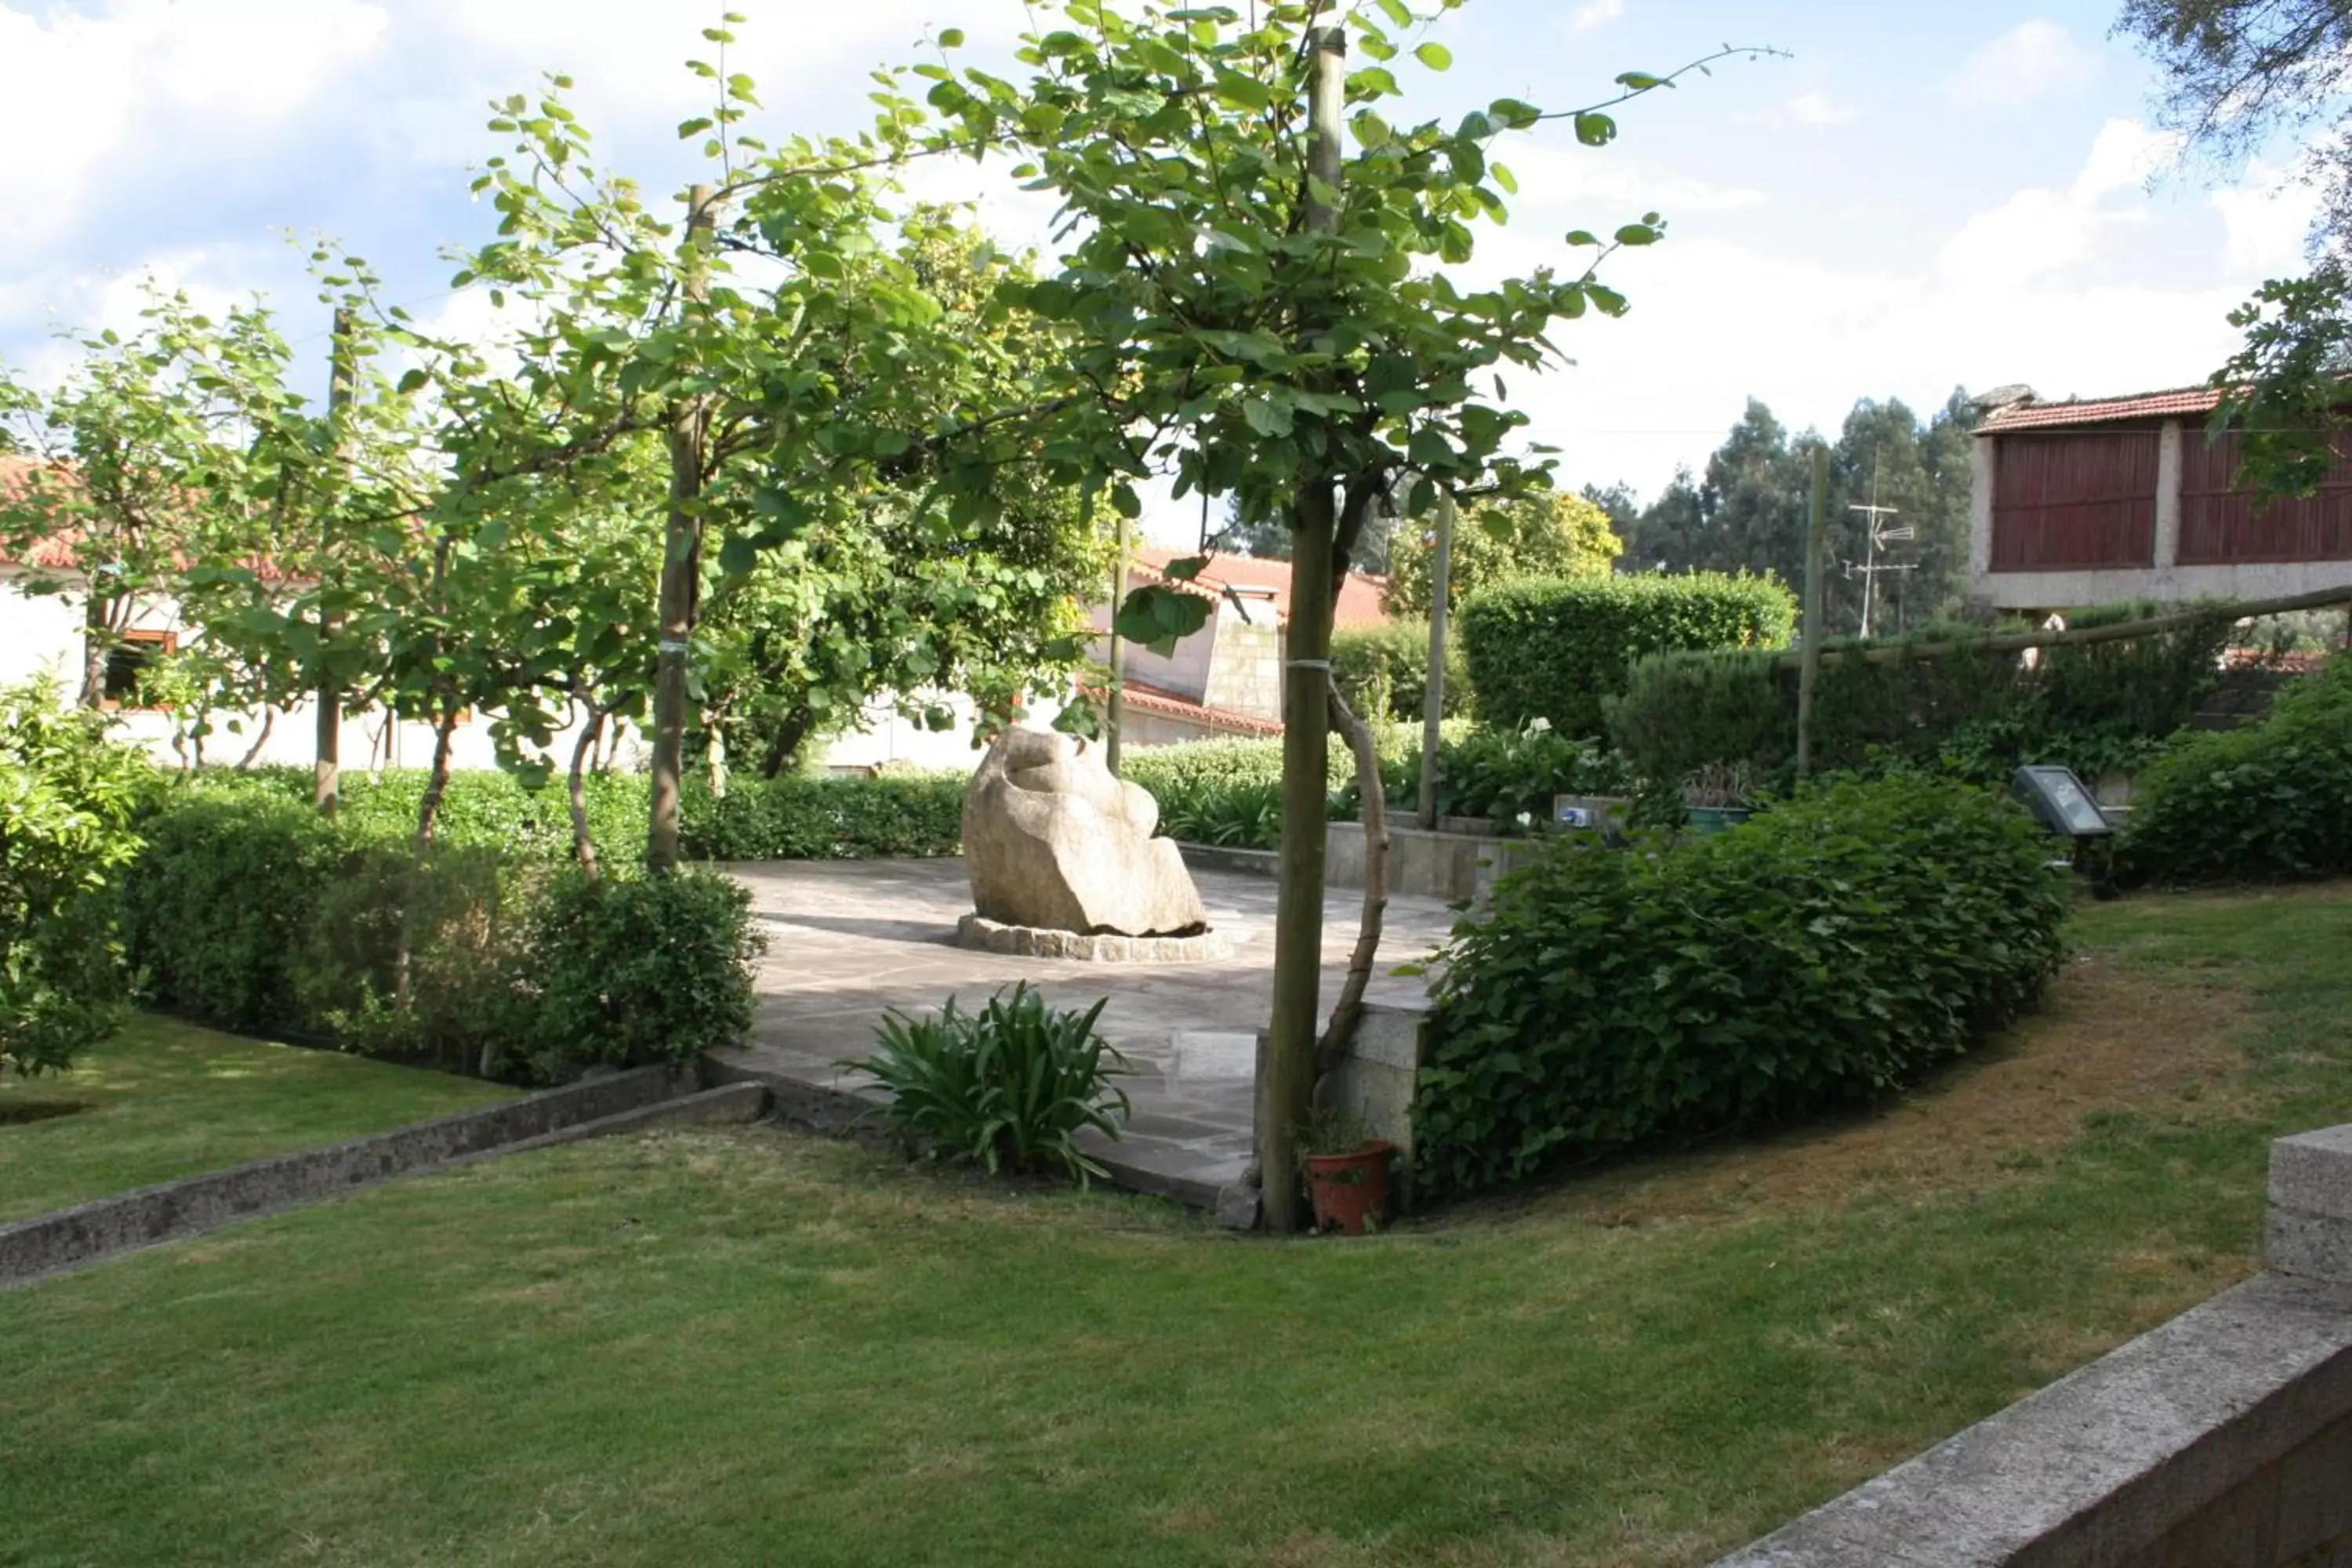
x=1114, y=719
x=327, y=770
x=681, y=578
x=1286, y=1071
x=1432, y=715
x=1811, y=663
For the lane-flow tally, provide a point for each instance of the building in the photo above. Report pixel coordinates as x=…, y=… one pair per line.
x=1225, y=679
x=2091, y=501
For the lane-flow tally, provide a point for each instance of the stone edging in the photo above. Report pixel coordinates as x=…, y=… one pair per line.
x=1030, y=942
x=2222, y=1437
x=49, y=1244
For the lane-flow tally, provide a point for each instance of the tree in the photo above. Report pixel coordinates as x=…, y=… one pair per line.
x=2238, y=72
x=1547, y=534
x=140, y=461
x=1258, y=311
x=67, y=800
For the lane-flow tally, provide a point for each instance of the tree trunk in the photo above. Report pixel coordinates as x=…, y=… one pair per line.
x=1286, y=1084
x=787, y=744
x=253, y=753
x=1340, y=1032
x=428, y=810
x=98, y=643
x=584, y=844
x=327, y=769
x=682, y=569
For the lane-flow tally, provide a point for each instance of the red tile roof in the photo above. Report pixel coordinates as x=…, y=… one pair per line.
x=56, y=552
x=1360, y=596
x=2032, y=415
x=1144, y=699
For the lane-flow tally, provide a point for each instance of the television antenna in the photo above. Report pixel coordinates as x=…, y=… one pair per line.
x=1878, y=537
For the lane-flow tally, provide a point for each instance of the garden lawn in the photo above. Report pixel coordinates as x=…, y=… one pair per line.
x=732, y=1346
x=163, y=1099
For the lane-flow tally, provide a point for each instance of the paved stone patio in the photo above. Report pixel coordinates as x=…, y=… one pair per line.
x=848, y=940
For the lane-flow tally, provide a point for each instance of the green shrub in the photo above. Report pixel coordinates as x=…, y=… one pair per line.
x=1834, y=948
x=1394, y=658
x=806, y=817
x=629, y=971
x=1009, y=1087
x=68, y=801
x=248, y=912
x=1974, y=712
x=482, y=807
x=1502, y=777
x=2266, y=803
x=1556, y=649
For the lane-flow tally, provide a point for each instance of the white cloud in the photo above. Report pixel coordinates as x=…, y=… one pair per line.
x=1810, y=110
x=1593, y=14
x=77, y=92
x=2040, y=230
x=1590, y=186
x=2030, y=60
x=2266, y=220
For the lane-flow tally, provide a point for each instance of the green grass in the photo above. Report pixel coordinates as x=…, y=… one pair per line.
x=746, y=1346
x=165, y=1100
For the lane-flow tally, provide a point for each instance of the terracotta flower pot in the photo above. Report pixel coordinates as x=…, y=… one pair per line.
x=1348, y=1187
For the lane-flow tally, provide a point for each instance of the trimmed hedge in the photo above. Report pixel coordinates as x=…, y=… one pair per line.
x=1972, y=713
x=807, y=817
x=800, y=816
x=252, y=913
x=1395, y=658
x=2267, y=803
x=1556, y=649
x=1831, y=949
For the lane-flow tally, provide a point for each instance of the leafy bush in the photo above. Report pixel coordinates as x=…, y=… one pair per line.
x=1557, y=648
x=249, y=911
x=1393, y=660
x=68, y=798
x=483, y=807
x=1831, y=949
x=1974, y=713
x=2265, y=803
x=1009, y=1087
x=1502, y=775
x=813, y=817
x=637, y=971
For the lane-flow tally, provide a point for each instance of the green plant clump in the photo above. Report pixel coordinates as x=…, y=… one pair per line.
x=815, y=817
x=1974, y=712
x=69, y=803
x=1383, y=671
x=1008, y=1088
x=1556, y=649
x=1833, y=949
x=2267, y=803
x=253, y=913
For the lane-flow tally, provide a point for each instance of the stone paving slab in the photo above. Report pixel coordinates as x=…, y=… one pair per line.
x=849, y=940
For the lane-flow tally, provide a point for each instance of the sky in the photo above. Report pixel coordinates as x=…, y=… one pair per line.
x=1908, y=198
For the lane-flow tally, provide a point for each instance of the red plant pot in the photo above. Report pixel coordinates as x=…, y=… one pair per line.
x=1346, y=1187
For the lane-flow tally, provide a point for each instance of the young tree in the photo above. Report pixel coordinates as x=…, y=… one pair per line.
x=1548, y=534
x=1259, y=301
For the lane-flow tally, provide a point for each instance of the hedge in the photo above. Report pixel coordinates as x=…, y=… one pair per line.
x=1974, y=713
x=1394, y=658
x=2267, y=803
x=800, y=816
x=254, y=914
x=1831, y=949
x=1556, y=649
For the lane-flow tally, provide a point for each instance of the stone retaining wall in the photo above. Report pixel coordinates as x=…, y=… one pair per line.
x=2222, y=1439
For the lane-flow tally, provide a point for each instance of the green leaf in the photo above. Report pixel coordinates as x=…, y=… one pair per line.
x=1435, y=55
x=1595, y=130
x=1397, y=12
x=952, y=37
x=1637, y=234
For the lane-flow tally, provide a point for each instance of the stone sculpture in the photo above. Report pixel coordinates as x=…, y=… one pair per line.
x=1053, y=841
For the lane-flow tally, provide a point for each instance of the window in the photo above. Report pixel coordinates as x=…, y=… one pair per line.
x=128, y=662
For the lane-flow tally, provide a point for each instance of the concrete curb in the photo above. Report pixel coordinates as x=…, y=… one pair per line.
x=105, y=1227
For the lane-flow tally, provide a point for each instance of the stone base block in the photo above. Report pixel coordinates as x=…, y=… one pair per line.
x=1030, y=942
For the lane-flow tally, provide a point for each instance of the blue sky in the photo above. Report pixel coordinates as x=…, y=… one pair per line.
x=1922, y=196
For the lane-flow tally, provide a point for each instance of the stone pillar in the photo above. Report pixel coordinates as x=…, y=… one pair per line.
x=2309, y=1229
x=1981, y=474
x=2168, y=499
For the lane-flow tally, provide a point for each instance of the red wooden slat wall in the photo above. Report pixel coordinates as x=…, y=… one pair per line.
x=2074, y=499
x=2220, y=526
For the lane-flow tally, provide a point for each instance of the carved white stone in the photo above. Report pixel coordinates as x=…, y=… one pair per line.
x=1052, y=840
